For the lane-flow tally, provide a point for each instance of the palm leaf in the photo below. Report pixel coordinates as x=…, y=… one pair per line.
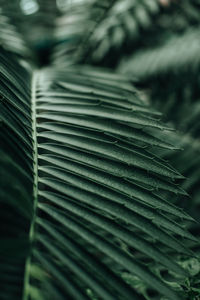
x=10, y=39
x=104, y=33
x=81, y=178
x=176, y=67
x=172, y=56
x=74, y=25
x=121, y=27
x=92, y=31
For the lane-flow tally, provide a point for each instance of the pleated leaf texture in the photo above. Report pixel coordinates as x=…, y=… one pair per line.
x=81, y=187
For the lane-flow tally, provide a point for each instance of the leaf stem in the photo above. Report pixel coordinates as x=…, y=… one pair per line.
x=35, y=186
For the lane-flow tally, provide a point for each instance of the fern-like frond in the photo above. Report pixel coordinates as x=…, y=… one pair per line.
x=120, y=28
x=81, y=170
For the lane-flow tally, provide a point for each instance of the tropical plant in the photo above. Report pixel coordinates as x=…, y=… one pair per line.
x=90, y=206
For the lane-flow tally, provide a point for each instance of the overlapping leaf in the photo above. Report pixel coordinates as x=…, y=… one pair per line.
x=16, y=174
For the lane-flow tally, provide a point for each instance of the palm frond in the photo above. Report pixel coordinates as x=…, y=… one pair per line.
x=105, y=33
x=74, y=26
x=94, y=29
x=175, y=67
x=10, y=38
x=121, y=27
x=16, y=174
x=70, y=166
x=172, y=56
x=82, y=165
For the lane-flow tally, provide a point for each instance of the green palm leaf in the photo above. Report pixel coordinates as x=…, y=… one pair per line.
x=80, y=177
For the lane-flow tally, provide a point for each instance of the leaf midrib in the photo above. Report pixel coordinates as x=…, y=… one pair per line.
x=35, y=184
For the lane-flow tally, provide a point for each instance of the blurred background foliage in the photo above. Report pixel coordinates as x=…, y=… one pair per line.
x=155, y=42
